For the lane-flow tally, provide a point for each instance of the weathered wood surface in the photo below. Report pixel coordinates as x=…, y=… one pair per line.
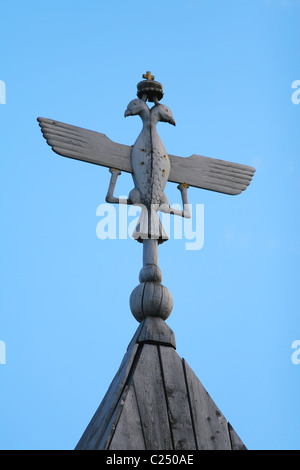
x=98, y=424
x=149, y=388
x=177, y=400
x=88, y=146
x=210, y=173
x=156, y=402
x=155, y=330
x=211, y=429
x=128, y=433
x=104, y=439
x=236, y=442
x=94, y=147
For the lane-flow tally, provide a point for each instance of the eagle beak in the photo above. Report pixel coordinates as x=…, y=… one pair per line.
x=172, y=121
x=127, y=113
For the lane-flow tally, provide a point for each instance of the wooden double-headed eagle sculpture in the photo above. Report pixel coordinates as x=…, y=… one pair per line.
x=151, y=168
x=148, y=161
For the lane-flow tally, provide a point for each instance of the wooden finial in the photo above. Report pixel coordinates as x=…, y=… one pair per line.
x=150, y=298
x=148, y=76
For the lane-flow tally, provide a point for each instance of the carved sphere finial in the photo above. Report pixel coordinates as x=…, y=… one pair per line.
x=151, y=299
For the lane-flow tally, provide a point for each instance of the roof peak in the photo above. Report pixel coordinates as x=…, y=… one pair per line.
x=156, y=402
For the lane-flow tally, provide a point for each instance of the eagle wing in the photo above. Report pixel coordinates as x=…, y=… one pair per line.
x=210, y=173
x=94, y=147
x=88, y=146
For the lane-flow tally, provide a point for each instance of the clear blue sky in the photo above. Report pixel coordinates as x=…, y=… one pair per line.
x=227, y=70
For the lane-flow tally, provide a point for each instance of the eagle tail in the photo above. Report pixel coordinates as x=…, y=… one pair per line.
x=149, y=226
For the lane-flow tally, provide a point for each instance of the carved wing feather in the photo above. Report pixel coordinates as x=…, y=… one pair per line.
x=82, y=144
x=94, y=147
x=210, y=173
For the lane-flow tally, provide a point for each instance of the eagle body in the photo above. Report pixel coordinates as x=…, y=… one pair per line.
x=151, y=168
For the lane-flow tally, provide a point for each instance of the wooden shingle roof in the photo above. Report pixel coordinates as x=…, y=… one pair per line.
x=156, y=402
